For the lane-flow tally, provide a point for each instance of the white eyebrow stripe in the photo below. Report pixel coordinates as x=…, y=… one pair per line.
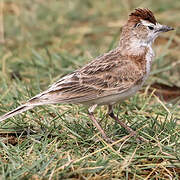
x=146, y=23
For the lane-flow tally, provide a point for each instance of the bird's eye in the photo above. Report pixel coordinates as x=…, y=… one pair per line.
x=150, y=27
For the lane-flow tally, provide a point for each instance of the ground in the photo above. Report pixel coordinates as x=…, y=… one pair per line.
x=44, y=40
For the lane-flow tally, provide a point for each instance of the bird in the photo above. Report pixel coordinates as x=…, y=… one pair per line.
x=110, y=78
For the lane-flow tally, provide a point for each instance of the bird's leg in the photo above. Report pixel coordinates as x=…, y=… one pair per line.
x=111, y=114
x=131, y=131
x=92, y=117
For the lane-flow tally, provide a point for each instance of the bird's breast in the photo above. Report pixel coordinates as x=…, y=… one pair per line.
x=149, y=58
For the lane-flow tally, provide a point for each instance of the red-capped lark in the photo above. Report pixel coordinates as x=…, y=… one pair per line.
x=110, y=78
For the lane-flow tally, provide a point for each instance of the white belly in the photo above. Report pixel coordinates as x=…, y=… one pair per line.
x=112, y=99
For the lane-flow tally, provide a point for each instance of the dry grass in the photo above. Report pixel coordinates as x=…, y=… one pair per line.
x=44, y=40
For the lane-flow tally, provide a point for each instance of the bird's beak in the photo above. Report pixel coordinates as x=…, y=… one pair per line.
x=164, y=28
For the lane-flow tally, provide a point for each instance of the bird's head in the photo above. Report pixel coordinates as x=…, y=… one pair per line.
x=142, y=27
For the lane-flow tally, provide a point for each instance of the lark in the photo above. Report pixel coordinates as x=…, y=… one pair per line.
x=110, y=78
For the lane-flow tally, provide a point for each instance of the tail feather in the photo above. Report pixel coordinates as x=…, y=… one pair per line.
x=38, y=100
x=16, y=111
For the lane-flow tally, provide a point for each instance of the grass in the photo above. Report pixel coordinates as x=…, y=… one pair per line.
x=46, y=40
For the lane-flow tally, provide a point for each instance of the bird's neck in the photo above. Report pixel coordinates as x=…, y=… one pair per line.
x=138, y=51
x=133, y=46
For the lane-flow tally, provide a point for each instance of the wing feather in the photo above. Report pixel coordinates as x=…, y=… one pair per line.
x=107, y=75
